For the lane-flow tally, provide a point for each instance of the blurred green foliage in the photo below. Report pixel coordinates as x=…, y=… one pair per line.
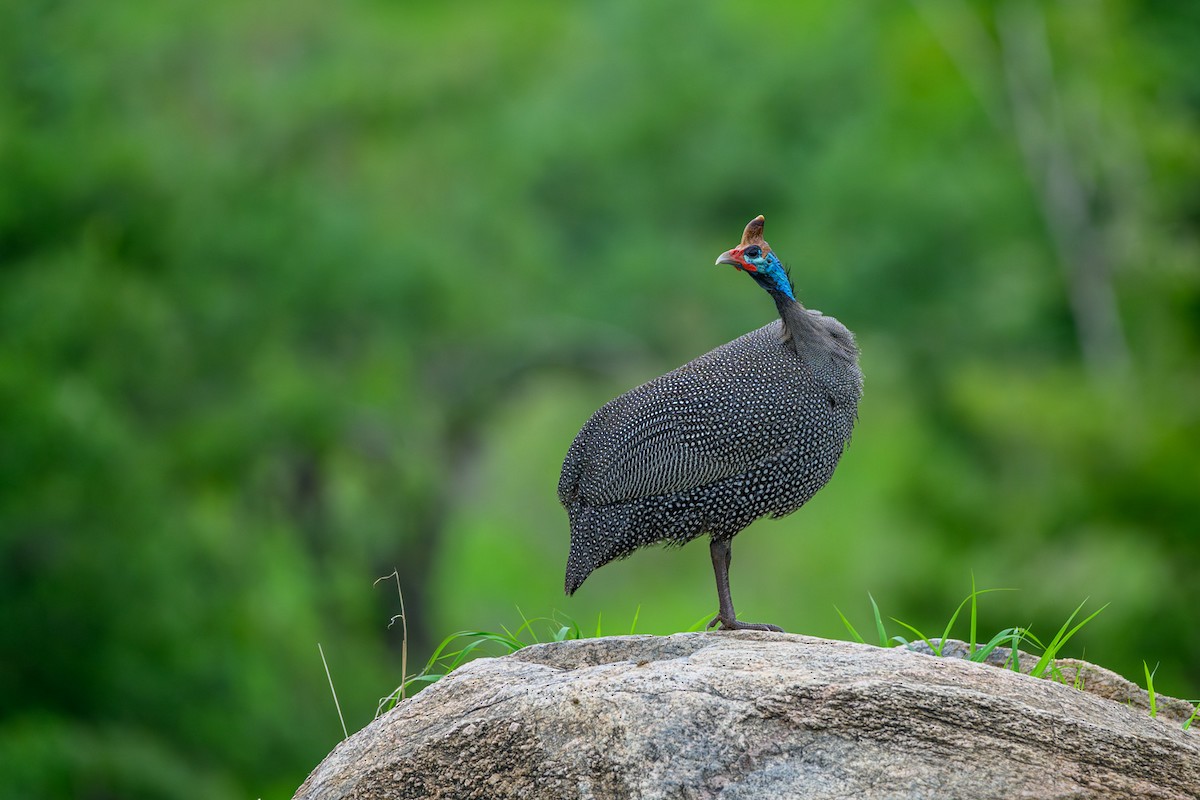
x=296, y=294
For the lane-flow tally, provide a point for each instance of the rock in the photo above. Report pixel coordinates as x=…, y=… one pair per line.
x=754, y=715
x=1073, y=672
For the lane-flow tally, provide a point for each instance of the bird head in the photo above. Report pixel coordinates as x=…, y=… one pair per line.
x=754, y=256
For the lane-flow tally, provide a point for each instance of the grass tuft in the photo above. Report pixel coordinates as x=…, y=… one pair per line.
x=1050, y=651
x=462, y=646
x=975, y=652
x=1014, y=638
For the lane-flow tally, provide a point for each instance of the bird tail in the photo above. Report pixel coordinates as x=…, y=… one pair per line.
x=599, y=534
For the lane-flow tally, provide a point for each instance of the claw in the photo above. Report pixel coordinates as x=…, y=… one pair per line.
x=735, y=625
x=752, y=626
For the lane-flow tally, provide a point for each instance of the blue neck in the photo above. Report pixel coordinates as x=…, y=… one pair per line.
x=772, y=277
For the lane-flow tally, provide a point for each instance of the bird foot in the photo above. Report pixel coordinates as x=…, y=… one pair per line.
x=733, y=624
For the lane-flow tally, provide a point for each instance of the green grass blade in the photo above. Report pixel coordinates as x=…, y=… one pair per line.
x=937, y=651
x=1061, y=638
x=1150, y=689
x=450, y=659
x=954, y=618
x=857, y=636
x=982, y=653
x=599, y=616
x=1055, y=643
x=1014, y=657
x=973, y=597
x=441, y=648
x=432, y=677
x=700, y=624
x=972, y=600
x=636, y=613
x=453, y=661
x=1192, y=718
x=510, y=643
x=575, y=631
x=1029, y=636
x=883, y=639
x=526, y=625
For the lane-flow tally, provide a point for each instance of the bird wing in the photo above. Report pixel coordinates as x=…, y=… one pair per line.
x=708, y=420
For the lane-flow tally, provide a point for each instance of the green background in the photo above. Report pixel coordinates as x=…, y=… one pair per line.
x=296, y=294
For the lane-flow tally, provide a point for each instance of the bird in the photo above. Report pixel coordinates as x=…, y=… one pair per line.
x=754, y=427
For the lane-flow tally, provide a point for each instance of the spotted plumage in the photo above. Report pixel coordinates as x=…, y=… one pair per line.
x=752, y=428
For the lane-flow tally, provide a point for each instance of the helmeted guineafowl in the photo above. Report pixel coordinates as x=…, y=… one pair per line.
x=754, y=427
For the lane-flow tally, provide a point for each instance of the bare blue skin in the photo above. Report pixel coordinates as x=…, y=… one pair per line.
x=768, y=272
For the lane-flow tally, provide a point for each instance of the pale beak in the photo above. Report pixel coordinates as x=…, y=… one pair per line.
x=728, y=257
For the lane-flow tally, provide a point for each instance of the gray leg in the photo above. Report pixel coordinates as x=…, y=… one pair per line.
x=722, y=554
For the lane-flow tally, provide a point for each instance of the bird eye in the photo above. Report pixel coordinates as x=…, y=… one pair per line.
x=753, y=251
